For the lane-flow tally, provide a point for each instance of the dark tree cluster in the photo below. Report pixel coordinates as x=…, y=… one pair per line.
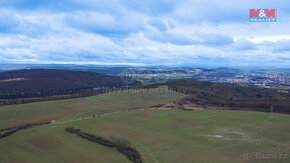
x=119, y=144
x=8, y=133
x=13, y=101
x=48, y=82
x=11, y=130
x=232, y=96
x=33, y=85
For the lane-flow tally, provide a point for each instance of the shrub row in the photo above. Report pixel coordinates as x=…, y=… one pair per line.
x=7, y=133
x=130, y=152
x=11, y=130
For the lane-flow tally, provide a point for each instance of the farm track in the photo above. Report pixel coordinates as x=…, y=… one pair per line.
x=11, y=130
x=96, y=116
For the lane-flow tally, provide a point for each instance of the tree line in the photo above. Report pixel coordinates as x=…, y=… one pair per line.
x=11, y=130
x=121, y=145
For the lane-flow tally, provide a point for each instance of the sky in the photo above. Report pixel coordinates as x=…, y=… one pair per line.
x=214, y=33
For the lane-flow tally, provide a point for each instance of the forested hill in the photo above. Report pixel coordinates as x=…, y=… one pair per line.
x=43, y=82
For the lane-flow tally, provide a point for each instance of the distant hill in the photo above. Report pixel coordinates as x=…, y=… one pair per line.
x=45, y=82
x=106, y=70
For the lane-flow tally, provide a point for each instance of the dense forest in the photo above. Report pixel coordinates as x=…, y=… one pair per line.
x=31, y=85
x=232, y=96
x=47, y=82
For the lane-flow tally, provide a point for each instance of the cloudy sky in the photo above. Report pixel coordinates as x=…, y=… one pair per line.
x=148, y=32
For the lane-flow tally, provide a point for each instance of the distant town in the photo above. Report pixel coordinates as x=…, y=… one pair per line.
x=263, y=78
x=277, y=79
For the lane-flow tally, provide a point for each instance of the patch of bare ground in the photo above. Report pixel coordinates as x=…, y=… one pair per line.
x=189, y=107
x=15, y=79
x=175, y=105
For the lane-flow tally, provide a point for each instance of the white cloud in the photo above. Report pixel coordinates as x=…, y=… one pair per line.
x=136, y=33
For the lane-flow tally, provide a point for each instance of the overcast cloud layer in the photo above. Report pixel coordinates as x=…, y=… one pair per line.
x=151, y=32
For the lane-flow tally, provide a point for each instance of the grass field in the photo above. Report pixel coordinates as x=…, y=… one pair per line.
x=52, y=144
x=63, y=109
x=162, y=136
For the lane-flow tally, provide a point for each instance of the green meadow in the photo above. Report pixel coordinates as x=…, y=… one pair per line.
x=160, y=136
x=71, y=108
